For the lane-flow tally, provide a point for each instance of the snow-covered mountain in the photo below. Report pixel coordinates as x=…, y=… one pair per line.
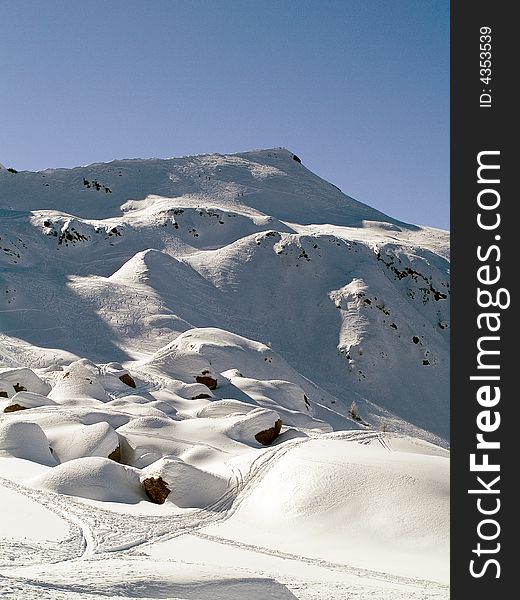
x=235, y=335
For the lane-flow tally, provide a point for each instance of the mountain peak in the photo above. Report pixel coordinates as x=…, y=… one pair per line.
x=270, y=181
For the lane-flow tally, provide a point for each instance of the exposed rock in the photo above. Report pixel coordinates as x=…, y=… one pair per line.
x=4, y=395
x=207, y=380
x=18, y=387
x=156, y=489
x=115, y=455
x=200, y=397
x=268, y=436
x=126, y=378
x=14, y=407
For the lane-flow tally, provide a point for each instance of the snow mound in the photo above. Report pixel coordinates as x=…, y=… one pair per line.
x=250, y=427
x=372, y=492
x=79, y=380
x=286, y=398
x=145, y=440
x=190, y=487
x=21, y=380
x=25, y=440
x=137, y=406
x=25, y=400
x=152, y=267
x=216, y=351
x=94, y=478
x=224, y=408
x=77, y=441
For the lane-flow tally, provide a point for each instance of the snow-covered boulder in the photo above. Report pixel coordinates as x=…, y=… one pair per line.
x=25, y=400
x=189, y=486
x=21, y=380
x=94, y=478
x=225, y=408
x=137, y=406
x=77, y=441
x=79, y=380
x=145, y=440
x=259, y=425
x=25, y=440
x=114, y=378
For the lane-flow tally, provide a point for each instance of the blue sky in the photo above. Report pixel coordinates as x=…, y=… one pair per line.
x=359, y=89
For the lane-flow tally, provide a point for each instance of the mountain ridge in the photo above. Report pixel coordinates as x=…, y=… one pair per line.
x=168, y=176
x=213, y=225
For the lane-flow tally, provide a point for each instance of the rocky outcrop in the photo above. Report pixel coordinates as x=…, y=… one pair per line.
x=156, y=489
x=128, y=380
x=267, y=436
x=116, y=455
x=14, y=407
x=206, y=379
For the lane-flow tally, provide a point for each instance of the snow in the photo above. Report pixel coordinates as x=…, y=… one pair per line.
x=30, y=519
x=76, y=441
x=206, y=323
x=354, y=503
x=95, y=478
x=78, y=381
x=124, y=580
x=190, y=487
x=22, y=379
x=25, y=440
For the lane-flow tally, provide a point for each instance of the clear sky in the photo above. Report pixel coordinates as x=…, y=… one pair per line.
x=359, y=89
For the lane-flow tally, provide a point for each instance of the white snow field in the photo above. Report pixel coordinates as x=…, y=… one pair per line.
x=221, y=378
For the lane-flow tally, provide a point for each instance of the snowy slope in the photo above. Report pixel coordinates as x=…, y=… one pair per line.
x=194, y=331
x=363, y=300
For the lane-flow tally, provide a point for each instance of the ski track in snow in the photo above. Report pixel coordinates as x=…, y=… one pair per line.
x=98, y=535
x=96, y=529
